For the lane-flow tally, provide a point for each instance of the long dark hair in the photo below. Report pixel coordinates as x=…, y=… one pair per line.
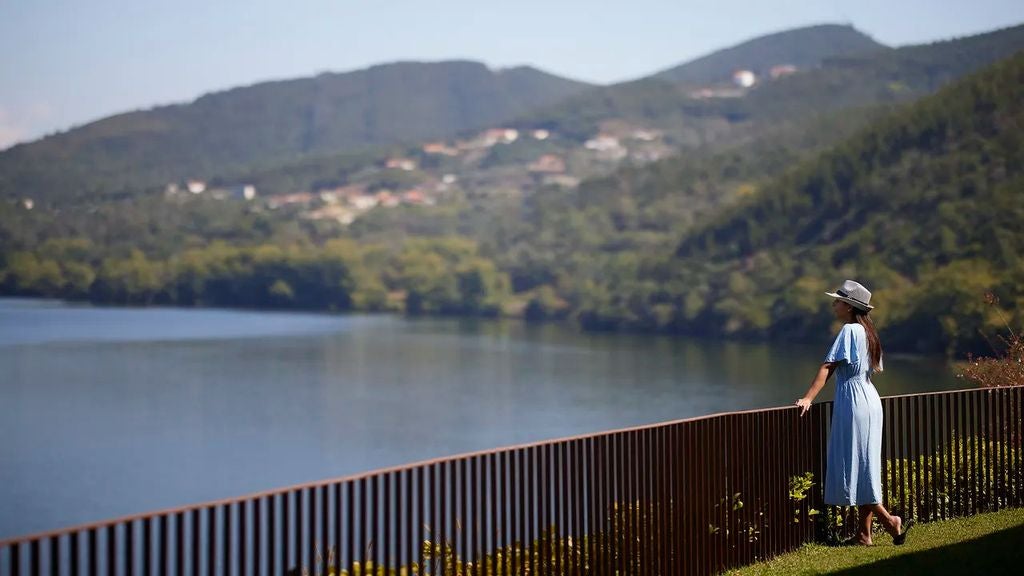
x=874, y=344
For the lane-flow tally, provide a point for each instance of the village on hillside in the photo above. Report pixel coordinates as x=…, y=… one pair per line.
x=497, y=161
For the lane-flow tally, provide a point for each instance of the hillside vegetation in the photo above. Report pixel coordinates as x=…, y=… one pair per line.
x=273, y=122
x=924, y=206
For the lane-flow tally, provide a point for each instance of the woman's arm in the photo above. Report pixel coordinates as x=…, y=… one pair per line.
x=824, y=373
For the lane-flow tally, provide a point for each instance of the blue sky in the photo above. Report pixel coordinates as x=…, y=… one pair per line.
x=68, y=62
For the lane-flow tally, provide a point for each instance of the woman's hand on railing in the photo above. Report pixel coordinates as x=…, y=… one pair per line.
x=804, y=404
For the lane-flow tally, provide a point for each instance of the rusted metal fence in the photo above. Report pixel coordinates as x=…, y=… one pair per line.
x=695, y=496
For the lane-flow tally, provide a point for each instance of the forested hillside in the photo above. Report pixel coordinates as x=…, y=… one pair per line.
x=273, y=122
x=925, y=206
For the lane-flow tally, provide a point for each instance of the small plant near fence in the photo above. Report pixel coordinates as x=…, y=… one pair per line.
x=1006, y=366
x=543, y=555
x=927, y=484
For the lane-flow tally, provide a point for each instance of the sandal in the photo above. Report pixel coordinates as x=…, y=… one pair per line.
x=900, y=538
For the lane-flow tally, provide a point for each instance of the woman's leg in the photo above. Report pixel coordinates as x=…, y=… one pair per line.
x=866, y=512
x=892, y=524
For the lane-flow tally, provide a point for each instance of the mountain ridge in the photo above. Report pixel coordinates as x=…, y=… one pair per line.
x=272, y=120
x=785, y=47
x=278, y=121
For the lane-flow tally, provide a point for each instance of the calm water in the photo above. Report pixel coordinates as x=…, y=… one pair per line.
x=106, y=412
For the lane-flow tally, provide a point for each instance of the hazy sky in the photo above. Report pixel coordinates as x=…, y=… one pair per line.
x=67, y=62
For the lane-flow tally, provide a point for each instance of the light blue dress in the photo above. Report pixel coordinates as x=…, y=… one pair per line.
x=853, y=474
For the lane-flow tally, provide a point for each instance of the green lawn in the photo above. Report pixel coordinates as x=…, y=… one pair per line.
x=986, y=545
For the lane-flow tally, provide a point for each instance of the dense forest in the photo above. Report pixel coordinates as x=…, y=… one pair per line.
x=925, y=205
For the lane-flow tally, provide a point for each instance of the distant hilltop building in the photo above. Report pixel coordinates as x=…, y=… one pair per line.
x=195, y=186
x=705, y=93
x=548, y=164
x=243, y=191
x=499, y=136
x=744, y=78
x=387, y=199
x=439, y=148
x=562, y=180
x=339, y=214
x=401, y=164
x=488, y=138
x=279, y=200
x=781, y=70
x=602, y=143
x=236, y=192
x=607, y=147
x=541, y=134
x=417, y=197
x=339, y=193
x=645, y=135
x=363, y=202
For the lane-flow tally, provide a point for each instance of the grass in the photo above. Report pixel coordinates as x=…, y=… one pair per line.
x=986, y=544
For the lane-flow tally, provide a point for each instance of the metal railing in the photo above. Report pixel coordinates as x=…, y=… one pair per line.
x=694, y=496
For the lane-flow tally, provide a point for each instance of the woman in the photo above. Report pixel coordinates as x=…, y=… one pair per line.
x=853, y=468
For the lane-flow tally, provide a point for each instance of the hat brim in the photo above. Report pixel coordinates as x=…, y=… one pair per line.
x=852, y=302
